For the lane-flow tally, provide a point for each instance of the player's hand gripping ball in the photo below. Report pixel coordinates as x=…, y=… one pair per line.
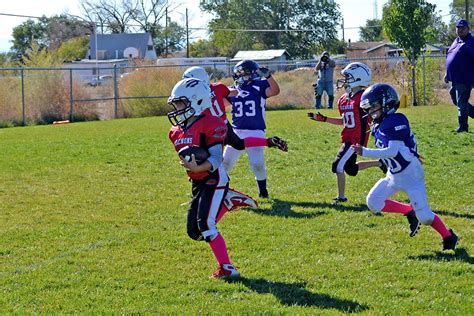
x=200, y=154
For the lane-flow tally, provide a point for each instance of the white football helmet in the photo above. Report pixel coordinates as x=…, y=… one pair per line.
x=355, y=75
x=198, y=73
x=195, y=94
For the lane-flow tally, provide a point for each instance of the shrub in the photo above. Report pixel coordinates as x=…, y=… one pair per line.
x=148, y=82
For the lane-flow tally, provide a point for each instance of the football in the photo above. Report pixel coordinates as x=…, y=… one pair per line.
x=200, y=154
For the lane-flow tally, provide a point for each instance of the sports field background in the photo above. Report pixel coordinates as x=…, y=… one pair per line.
x=91, y=221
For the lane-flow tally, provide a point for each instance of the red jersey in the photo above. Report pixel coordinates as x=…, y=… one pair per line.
x=219, y=92
x=356, y=125
x=206, y=131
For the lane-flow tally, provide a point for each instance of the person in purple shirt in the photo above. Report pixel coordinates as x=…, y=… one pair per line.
x=460, y=71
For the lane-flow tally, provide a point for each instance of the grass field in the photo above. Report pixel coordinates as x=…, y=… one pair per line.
x=91, y=221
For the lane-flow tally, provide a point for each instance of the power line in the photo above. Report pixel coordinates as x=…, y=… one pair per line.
x=208, y=29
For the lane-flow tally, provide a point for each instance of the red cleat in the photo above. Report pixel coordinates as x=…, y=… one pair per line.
x=225, y=271
x=235, y=199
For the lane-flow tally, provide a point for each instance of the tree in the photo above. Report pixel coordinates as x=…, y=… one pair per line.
x=202, y=48
x=73, y=49
x=46, y=33
x=171, y=37
x=318, y=19
x=28, y=32
x=407, y=23
x=109, y=15
x=458, y=10
x=372, y=31
x=136, y=15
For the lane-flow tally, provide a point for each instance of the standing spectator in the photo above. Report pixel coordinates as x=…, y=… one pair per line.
x=460, y=71
x=255, y=85
x=325, y=70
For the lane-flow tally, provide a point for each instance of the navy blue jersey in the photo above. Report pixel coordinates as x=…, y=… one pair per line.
x=248, y=107
x=395, y=127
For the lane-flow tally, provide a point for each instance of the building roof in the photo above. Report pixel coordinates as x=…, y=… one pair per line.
x=362, y=45
x=121, y=41
x=259, y=54
x=389, y=45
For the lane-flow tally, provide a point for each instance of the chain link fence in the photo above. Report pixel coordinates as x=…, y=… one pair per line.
x=46, y=95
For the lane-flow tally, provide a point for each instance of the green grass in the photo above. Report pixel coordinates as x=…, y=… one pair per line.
x=91, y=221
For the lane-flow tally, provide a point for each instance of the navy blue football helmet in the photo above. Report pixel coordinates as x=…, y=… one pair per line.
x=380, y=94
x=245, y=72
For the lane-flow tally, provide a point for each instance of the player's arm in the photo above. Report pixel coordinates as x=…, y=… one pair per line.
x=323, y=118
x=233, y=92
x=273, y=89
x=389, y=152
x=211, y=164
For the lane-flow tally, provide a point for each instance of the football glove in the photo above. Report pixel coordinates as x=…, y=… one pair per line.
x=317, y=117
x=263, y=72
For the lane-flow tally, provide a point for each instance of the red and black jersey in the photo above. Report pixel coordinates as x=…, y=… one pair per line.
x=356, y=124
x=219, y=92
x=205, y=132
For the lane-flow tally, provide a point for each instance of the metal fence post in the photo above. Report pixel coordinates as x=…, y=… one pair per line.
x=115, y=92
x=424, y=79
x=22, y=71
x=71, y=97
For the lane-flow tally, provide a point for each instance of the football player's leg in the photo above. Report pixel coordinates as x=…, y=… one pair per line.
x=233, y=140
x=192, y=222
x=378, y=196
x=338, y=166
x=231, y=155
x=209, y=205
x=257, y=164
x=424, y=213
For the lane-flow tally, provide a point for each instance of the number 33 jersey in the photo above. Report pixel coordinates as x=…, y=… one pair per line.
x=356, y=125
x=248, y=107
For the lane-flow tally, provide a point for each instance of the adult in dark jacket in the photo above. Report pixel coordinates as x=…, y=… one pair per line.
x=460, y=71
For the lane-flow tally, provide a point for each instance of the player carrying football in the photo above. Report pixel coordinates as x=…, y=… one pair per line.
x=356, y=79
x=248, y=116
x=220, y=92
x=396, y=145
x=210, y=184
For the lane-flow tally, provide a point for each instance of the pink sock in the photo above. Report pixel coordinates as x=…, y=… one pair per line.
x=219, y=249
x=222, y=211
x=392, y=206
x=440, y=227
x=255, y=142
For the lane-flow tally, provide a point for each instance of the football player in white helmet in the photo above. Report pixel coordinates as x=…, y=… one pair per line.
x=210, y=184
x=355, y=124
x=220, y=92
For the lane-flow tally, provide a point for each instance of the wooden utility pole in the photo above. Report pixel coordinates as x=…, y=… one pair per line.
x=466, y=10
x=187, y=34
x=166, y=32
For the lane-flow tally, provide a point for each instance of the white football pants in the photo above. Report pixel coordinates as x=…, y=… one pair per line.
x=255, y=154
x=412, y=182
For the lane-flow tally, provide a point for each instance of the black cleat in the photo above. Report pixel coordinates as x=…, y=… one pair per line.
x=277, y=142
x=263, y=194
x=338, y=200
x=450, y=241
x=413, y=222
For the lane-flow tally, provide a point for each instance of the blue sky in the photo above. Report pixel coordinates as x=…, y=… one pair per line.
x=355, y=13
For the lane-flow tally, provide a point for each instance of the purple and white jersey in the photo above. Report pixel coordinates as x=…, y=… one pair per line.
x=395, y=129
x=248, y=107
